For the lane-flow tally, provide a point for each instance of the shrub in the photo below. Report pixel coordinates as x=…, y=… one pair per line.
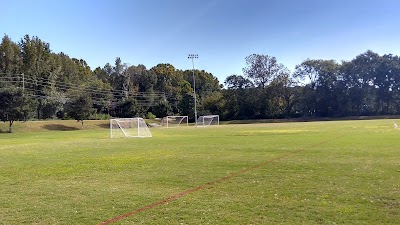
x=150, y=115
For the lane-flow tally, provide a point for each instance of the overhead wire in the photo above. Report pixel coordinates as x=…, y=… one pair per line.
x=28, y=81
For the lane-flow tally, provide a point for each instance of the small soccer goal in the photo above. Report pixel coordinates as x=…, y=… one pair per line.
x=129, y=127
x=208, y=120
x=174, y=121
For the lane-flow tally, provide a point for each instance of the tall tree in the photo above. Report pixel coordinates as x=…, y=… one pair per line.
x=118, y=78
x=36, y=64
x=326, y=92
x=166, y=77
x=262, y=69
x=10, y=57
x=319, y=98
x=282, y=95
x=358, y=76
x=142, y=80
x=387, y=83
x=241, y=98
x=308, y=71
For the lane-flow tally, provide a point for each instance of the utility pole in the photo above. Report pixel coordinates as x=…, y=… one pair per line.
x=194, y=56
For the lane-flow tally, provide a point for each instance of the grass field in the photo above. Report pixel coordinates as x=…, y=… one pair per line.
x=343, y=172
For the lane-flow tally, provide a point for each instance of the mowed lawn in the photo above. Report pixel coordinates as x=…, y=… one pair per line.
x=342, y=172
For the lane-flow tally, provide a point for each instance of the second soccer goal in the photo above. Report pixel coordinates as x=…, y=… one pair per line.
x=174, y=121
x=208, y=120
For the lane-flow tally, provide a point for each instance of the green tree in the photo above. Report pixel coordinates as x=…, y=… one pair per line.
x=50, y=108
x=163, y=108
x=215, y=104
x=101, y=75
x=282, y=95
x=327, y=94
x=239, y=99
x=142, y=80
x=101, y=93
x=387, y=83
x=130, y=108
x=186, y=106
x=358, y=75
x=262, y=69
x=241, y=103
x=238, y=82
x=80, y=108
x=167, y=77
x=10, y=58
x=206, y=83
x=320, y=95
x=36, y=56
x=15, y=106
x=118, y=78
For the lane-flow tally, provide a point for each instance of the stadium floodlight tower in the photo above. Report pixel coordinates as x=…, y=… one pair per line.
x=194, y=56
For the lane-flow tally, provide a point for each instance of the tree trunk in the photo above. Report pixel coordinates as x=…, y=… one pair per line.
x=38, y=110
x=10, y=128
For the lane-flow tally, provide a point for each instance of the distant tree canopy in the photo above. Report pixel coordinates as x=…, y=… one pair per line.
x=49, y=84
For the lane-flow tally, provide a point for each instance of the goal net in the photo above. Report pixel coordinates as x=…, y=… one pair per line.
x=129, y=127
x=208, y=120
x=174, y=121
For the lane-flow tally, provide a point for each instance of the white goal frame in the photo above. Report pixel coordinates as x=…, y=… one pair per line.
x=178, y=121
x=208, y=120
x=129, y=128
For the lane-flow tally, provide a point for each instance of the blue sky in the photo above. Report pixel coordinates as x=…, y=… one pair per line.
x=221, y=32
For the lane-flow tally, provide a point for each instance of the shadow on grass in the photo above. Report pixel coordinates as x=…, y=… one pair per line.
x=104, y=125
x=59, y=127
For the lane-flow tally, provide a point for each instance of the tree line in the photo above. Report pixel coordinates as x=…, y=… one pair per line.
x=367, y=85
x=38, y=83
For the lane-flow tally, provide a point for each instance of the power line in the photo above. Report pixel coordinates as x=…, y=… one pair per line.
x=63, y=85
x=31, y=84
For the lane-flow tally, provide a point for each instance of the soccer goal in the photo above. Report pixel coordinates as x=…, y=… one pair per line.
x=129, y=127
x=208, y=120
x=174, y=121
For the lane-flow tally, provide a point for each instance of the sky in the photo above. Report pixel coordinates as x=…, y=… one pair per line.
x=221, y=32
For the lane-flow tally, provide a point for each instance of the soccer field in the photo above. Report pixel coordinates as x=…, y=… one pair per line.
x=341, y=172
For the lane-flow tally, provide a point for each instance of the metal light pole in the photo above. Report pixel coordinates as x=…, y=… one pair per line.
x=194, y=56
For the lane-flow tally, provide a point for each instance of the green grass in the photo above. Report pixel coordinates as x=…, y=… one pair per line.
x=344, y=172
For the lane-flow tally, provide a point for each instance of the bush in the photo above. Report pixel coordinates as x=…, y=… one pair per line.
x=150, y=115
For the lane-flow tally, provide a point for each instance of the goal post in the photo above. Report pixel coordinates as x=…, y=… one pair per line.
x=174, y=121
x=207, y=120
x=129, y=127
